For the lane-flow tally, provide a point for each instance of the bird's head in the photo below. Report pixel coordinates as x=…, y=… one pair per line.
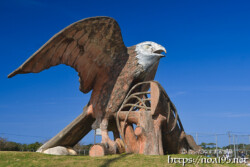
x=149, y=53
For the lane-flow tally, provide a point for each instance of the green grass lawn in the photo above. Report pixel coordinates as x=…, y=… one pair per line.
x=26, y=159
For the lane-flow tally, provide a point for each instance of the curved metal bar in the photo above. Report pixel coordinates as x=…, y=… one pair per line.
x=175, y=119
x=146, y=82
x=140, y=93
x=131, y=97
x=147, y=102
x=172, y=104
x=169, y=111
x=127, y=98
x=121, y=130
x=133, y=105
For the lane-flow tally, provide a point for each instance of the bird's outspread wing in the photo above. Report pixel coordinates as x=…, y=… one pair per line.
x=91, y=46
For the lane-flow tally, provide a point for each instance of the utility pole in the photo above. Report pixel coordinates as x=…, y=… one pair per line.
x=243, y=147
x=216, y=139
x=249, y=142
x=249, y=138
x=229, y=137
x=234, y=146
x=237, y=146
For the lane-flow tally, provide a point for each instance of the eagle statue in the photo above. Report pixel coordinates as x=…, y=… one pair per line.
x=95, y=49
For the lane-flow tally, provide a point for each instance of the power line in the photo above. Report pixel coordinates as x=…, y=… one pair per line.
x=23, y=135
x=220, y=134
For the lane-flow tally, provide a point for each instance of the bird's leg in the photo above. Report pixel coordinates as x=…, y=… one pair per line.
x=110, y=144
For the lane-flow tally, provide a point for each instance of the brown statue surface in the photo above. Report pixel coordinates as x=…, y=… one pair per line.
x=95, y=49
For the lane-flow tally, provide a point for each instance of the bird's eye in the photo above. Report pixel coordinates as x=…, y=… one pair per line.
x=147, y=46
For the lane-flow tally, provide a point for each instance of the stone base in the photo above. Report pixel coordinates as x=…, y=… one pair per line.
x=58, y=150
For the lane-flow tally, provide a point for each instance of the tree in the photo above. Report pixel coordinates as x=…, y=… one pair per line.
x=34, y=146
x=3, y=142
x=203, y=145
x=11, y=146
x=211, y=144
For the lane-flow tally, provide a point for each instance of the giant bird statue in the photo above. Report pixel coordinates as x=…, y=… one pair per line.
x=95, y=49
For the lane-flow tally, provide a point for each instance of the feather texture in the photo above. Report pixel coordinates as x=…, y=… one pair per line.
x=91, y=46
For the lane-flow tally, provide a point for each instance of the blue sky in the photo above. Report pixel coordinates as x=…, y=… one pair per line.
x=206, y=71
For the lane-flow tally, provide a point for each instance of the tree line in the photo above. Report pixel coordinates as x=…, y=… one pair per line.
x=213, y=145
x=6, y=145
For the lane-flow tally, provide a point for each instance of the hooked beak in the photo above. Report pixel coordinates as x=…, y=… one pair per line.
x=159, y=49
